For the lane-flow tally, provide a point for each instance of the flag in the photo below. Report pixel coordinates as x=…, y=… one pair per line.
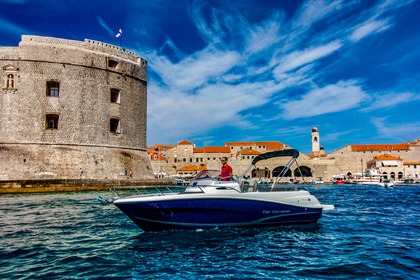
x=119, y=33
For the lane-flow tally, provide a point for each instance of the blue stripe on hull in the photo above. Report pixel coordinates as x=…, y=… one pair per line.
x=210, y=213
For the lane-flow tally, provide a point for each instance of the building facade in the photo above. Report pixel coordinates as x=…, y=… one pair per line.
x=71, y=109
x=396, y=161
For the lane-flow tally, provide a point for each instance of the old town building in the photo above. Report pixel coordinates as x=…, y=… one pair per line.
x=398, y=161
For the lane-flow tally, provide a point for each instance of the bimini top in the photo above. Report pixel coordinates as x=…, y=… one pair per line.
x=282, y=153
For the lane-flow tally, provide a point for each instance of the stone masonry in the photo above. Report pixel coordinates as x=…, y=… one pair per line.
x=66, y=105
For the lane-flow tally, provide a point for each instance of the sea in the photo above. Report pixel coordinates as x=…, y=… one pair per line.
x=373, y=233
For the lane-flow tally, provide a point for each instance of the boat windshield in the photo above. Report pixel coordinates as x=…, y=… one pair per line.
x=208, y=174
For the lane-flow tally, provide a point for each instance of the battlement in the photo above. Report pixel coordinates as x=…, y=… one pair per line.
x=87, y=44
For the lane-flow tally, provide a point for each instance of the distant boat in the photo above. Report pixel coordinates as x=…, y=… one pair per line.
x=319, y=181
x=339, y=179
x=366, y=181
x=386, y=184
x=372, y=176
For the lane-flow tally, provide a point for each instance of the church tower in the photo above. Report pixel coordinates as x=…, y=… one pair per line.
x=315, y=142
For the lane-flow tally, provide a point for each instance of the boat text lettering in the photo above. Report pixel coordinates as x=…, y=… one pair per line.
x=275, y=211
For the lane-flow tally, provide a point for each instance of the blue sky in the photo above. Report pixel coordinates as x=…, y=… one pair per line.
x=222, y=71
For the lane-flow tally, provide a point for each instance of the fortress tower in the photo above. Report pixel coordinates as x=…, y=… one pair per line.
x=66, y=105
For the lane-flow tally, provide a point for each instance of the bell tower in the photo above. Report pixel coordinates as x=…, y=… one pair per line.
x=315, y=142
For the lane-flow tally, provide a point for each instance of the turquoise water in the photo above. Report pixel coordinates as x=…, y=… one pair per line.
x=372, y=234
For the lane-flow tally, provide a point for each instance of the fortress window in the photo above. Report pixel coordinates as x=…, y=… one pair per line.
x=53, y=89
x=112, y=63
x=115, y=95
x=51, y=121
x=114, y=125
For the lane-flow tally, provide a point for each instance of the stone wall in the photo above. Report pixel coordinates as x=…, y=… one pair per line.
x=86, y=73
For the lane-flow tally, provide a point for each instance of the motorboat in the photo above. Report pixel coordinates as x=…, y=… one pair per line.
x=210, y=202
x=318, y=181
x=388, y=183
x=339, y=179
x=367, y=181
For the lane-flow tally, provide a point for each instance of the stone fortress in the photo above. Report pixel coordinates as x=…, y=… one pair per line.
x=397, y=161
x=72, y=109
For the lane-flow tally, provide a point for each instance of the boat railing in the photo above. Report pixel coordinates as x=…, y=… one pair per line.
x=129, y=191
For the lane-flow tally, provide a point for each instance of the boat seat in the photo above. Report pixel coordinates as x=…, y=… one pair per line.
x=252, y=185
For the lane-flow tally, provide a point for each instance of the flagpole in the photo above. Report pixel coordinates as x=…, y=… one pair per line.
x=119, y=34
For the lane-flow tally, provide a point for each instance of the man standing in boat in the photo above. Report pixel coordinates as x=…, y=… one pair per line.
x=226, y=172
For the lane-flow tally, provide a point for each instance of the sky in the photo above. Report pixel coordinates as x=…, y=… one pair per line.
x=255, y=70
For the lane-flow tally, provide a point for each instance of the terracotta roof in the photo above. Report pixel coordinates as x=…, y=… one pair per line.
x=250, y=152
x=212, y=149
x=387, y=157
x=193, y=167
x=411, y=163
x=380, y=147
x=157, y=147
x=384, y=157
x=185, y=142
x=158, y=155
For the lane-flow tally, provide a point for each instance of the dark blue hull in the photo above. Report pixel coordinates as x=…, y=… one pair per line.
x=214, y=212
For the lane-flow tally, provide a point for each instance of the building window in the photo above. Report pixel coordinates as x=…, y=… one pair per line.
x=114, y=126
x=115, y=95
x=51, y=121
x=112, y=63
x=53, y=89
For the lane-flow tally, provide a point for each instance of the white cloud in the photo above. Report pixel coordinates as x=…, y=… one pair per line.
x=263, y=36
x=314, y=10
x=400, y=131
x=105, y=26
x=213, y=106
x=11, y=28
x=245, y=65
x=368, y=28
x=196, y=70
x=331, y=98
x=299, y=58
x=390, y=100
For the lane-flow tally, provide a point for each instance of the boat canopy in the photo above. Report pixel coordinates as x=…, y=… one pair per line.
x=282, y=153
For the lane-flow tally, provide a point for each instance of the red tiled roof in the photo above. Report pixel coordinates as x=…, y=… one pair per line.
x=193, y=167
x=158, y=155
x=411, y=163
x=380, y=147
x=185, y=142
x=387, y=157
x=212, y=149
x=384, y=157
x=157, y=147
x=250, y=152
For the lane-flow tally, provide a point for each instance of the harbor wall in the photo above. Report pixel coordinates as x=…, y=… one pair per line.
x=71, y=185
